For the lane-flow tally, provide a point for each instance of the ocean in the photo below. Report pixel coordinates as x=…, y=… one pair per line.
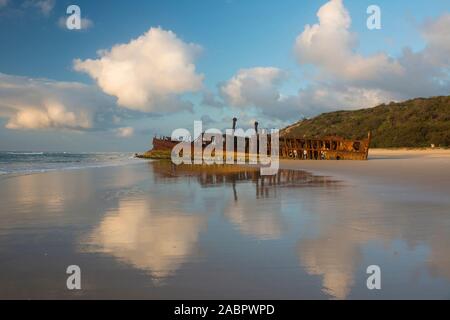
x=22, y=162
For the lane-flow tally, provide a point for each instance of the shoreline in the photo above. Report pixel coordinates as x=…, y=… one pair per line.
x=5, y=174
x=338, y=167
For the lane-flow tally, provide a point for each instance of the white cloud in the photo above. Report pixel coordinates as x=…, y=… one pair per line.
x=330, y=46
x=252, y=87
x=49, y=115
x=148, y=73
x=45, y=6
x=258, y=89
x=345, y=79
x=436, y=33
x=45, y=104
x=320, y=98
x=125, y=132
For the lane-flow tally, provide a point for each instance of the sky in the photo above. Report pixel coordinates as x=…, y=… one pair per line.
x=141, y=68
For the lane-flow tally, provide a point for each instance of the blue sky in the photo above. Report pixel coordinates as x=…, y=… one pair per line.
x=233, y=35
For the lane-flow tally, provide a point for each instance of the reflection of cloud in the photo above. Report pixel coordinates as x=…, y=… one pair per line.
x=352, y=218
x=50, y=195
x=151, y=241
x=336, y=252
x=255, y=220
x=333, y=258
x=262, y=217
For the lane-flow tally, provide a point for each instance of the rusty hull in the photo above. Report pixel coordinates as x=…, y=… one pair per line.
x=326, y=148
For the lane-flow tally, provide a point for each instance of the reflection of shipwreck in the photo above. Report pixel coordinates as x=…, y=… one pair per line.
x=290, y=147
x=233, y=175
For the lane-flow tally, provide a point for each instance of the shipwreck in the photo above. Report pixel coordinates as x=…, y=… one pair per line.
x=290, y=147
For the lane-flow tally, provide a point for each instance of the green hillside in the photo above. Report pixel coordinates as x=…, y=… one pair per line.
x=414, y=123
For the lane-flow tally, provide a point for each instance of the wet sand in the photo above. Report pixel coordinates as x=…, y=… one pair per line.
x=398, y=196
x=420, y=169
x=150, y=231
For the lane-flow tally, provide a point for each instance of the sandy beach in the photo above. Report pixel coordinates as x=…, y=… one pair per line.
x=149, y=231
x=424, y=169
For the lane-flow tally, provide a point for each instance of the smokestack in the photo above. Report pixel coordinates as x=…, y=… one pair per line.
x=256, y=127
x=234, y=123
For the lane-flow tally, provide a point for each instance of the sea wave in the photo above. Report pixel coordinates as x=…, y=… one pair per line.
x=26, y=153
x=38, y=162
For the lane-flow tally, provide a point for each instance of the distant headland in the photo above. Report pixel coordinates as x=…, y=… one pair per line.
x=416, y=123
